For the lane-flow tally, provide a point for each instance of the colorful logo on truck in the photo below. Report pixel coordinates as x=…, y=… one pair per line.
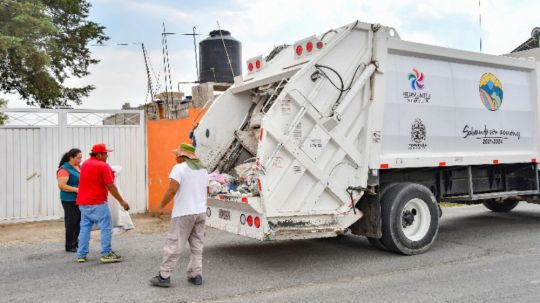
x=491, y=91
x=417, y=80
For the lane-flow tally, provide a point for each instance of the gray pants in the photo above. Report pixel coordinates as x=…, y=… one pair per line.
x=184, y=229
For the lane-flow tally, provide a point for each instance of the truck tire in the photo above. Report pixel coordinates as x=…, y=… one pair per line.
x=410, y=219
x=500, y=206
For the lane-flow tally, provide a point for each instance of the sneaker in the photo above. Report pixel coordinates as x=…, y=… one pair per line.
x=160, y=282
x=73, y=249
x=81, y=259
x=111, y=257
x=197, y=280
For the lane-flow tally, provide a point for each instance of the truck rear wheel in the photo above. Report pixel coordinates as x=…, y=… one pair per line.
x=410, y=219
x=500, y=206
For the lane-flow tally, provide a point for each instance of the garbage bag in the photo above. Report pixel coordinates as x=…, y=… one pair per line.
x=121, y=220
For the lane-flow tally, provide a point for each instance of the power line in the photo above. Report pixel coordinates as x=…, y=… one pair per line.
x=226, y=52
x=195, y=48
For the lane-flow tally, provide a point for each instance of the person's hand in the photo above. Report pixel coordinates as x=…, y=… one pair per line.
x=159, y=213
x=125, y=205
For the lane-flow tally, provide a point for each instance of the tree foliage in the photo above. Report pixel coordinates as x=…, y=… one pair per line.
x=43, y=43
x=3, y=117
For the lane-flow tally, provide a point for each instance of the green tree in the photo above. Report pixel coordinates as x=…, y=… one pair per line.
x=3, y=118
x=42, y=43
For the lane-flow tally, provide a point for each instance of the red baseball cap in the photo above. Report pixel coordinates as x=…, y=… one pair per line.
x=100, y=148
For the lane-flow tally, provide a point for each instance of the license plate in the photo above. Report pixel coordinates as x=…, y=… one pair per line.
x=225, y=214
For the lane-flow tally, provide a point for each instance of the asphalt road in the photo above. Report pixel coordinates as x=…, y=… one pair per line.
x=479, y=256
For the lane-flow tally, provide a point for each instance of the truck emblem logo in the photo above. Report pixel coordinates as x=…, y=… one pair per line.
x=418, y=135
x=417, y=80
x=491, y=91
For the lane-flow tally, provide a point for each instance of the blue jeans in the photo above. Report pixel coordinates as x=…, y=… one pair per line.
x=90, y=215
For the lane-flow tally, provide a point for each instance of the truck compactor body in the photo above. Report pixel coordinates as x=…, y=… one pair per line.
x=356, y=129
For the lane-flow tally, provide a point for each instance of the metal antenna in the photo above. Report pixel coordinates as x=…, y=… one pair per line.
x=225, y=47
x=168, y=68
x=196, y=57
x=480, y=22
x=164, y=63
x=150, y=88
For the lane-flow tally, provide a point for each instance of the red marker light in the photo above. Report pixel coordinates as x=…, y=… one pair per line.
x=258, y=64
x=309, y=46
x=257, y=222
x=250, y=66
x=250, y=220
x=299, y=50
x=320, y=45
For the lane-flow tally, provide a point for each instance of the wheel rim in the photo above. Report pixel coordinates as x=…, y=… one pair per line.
x=415, y=219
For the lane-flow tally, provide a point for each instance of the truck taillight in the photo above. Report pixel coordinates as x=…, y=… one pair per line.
x=309, y=46
x=255, y=64
x=250, y=220
x=243, y=219
x=299, y=50
x=257, y=222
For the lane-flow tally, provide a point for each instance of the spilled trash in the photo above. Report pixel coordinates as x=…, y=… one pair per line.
x=242, y=181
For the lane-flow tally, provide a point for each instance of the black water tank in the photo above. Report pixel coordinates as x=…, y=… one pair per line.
x=214, y=66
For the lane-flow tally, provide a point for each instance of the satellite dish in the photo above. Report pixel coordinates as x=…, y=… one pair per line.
x=535, y=34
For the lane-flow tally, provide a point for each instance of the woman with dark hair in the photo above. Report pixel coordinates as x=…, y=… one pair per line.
x=68, y=182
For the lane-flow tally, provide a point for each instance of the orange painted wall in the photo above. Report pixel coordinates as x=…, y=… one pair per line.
x=162, y=137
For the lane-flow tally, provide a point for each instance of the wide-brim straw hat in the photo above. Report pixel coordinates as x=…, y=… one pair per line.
x=186, y=150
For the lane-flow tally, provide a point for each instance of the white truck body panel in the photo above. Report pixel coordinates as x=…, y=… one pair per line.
x=455, y=126
x=312, y=149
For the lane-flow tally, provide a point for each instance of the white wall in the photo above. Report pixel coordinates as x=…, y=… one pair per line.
x=32, y=143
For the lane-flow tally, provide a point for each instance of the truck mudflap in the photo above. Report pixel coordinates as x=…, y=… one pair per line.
x=237, y=217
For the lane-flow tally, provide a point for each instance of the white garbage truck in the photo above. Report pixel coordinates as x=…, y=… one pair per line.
x=356, y=129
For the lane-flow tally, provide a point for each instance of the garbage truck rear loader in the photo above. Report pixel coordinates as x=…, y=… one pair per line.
x=356, y=129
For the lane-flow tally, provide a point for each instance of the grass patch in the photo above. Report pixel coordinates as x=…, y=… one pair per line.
x=449, y=204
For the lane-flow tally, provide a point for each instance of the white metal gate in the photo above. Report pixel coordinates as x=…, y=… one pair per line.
x=32, y=142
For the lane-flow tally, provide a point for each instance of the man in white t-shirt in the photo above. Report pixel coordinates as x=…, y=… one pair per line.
x=189, y=188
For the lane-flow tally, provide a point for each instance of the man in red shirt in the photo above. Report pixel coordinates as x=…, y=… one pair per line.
x=96, y=181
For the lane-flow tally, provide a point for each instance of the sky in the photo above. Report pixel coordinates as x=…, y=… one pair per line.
x=260, y=25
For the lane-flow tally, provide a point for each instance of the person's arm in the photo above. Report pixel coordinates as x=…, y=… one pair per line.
x=62, y=184
x=116, y=194
x=168, y=196
x=108, y=179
